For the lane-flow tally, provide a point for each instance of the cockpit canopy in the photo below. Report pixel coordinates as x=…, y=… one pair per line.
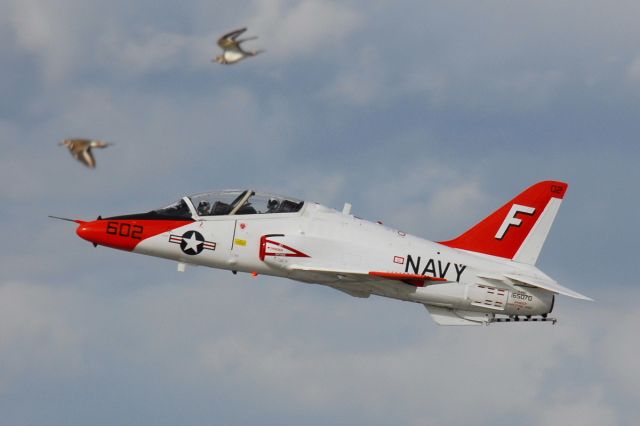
x=232, y=202
x=177, y=210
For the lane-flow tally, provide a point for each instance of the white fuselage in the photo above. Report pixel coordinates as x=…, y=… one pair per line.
x=321, y=245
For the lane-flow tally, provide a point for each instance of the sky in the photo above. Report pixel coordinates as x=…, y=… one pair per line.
x=425, y=115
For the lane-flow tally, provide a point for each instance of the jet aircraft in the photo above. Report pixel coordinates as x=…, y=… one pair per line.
x=485, y=275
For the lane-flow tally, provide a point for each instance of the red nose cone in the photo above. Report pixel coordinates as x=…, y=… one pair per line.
x=89, y=231
x=125, y=234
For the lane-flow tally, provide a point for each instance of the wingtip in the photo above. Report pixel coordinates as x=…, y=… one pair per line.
x=576, y=295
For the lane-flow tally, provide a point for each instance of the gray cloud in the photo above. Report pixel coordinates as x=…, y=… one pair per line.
x=293, y=28
x=193, y=334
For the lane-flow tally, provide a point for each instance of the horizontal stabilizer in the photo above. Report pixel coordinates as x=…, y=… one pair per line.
x=546, y=284
x=549, y=285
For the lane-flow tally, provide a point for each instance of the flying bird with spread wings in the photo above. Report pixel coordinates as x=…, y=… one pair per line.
x=81, y=149
x=232, y=49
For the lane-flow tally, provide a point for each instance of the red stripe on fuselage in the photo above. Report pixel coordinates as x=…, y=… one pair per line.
x=125, y=234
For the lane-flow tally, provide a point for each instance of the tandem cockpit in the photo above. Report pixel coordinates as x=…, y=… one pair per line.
x=230, y=203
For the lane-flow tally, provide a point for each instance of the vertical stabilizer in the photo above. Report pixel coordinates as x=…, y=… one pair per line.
x=518, y=229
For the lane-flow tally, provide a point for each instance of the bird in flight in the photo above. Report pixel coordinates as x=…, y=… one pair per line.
x=232, y=51
x=81, y=149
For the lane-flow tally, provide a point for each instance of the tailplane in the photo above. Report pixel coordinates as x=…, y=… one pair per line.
x=518, y=229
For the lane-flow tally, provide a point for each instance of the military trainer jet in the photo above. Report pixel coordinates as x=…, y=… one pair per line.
x=485, y=275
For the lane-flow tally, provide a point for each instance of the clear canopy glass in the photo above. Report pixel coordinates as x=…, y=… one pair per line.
x=177, y=210
x=239, y=202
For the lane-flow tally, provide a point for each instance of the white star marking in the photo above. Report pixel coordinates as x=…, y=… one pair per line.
x=192, y=243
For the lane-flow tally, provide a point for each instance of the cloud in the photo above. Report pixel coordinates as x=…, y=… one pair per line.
x=453, y=204
x=62, y=34
x=72, y=39
x=40, y=28
x=296, y=352
x=361, y=81
x=157, y=51
x=37, y=336
x=586, y=407
x=318, y=186
x=422, y=197
x=218, y=131
x=427, y=125
x=618, y=353
x=633, y=71
x=305, y=27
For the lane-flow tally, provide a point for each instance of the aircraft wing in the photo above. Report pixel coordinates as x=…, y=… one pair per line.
x=358, y=283
x=415, y=280
x=352, y=291
x=547, y=284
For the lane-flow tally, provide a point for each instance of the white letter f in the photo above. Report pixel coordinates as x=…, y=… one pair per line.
x=511, y=219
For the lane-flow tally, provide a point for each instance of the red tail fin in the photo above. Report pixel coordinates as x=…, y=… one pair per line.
x=518, y=229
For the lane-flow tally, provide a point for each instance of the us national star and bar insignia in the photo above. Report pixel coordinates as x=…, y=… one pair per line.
x=192, y=242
